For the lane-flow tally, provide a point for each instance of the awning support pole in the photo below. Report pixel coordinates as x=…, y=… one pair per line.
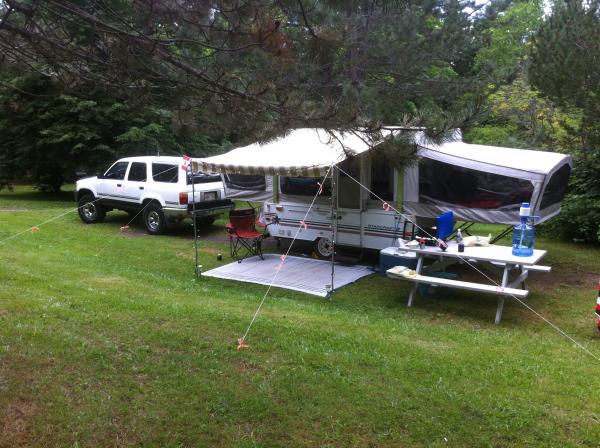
x=333, y=227
x=196, y=267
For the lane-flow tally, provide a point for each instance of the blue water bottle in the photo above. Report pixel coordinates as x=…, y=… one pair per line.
x=523, y=234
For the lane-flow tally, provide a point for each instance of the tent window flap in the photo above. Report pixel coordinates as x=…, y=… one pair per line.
x=556, y=188
x=304, y=186
x=382, y=179
x=348, y=190
x=245, y=182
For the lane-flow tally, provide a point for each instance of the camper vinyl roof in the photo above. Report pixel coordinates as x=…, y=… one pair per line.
x=311, y=151
x=303, y=151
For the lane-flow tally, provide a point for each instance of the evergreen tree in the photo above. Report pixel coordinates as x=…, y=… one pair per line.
x=49, y=136
x=263, y=67
x=230, y=70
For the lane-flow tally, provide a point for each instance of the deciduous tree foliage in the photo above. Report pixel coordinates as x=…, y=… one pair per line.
x=505, y=56
x=513, y=114
x=520, y=117
x=565, y=67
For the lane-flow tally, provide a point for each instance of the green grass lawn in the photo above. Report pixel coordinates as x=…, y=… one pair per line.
x=107, y=340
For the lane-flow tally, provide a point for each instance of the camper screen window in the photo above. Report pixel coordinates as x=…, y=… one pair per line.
x=201, y=178
x=556, y=188
x=445, y=184
x=304, y=186
x=164, y=172
x=245, y=182
x=382, y=179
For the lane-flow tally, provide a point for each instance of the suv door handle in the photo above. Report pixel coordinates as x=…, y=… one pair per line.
x=141, y=188
x=118, y=185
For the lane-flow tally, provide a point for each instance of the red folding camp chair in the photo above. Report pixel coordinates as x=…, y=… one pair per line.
x=244, y=240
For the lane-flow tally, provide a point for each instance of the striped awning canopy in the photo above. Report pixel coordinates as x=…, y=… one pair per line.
x=303, y=152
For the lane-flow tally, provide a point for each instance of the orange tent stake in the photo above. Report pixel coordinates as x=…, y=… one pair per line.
x=241, y=344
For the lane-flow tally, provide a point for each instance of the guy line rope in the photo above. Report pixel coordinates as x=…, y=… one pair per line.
x=242, y=340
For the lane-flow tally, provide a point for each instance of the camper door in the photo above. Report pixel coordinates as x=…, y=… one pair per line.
x=350, y=202
x=380, y=226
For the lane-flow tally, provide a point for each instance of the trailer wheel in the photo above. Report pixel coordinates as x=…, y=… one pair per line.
x=324, y=248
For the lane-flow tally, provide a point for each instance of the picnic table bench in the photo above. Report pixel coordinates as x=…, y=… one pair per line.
x=496, y=257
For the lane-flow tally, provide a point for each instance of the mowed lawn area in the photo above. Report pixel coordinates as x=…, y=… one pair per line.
x=106, y=339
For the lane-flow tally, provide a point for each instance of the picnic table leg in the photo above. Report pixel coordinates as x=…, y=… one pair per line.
x=505, y=276
x=413, y=290
x=522, y=270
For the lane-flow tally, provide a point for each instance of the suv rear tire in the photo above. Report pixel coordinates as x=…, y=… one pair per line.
x=154, y=219
x=90, y=211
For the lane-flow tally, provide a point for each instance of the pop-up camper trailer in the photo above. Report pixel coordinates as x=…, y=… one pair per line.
x=478, y=183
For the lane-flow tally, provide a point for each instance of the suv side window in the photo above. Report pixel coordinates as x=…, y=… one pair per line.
x=137, y=172
x=165, y=172
x=117, y=171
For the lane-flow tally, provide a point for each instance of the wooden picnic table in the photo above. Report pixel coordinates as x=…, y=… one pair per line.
x=496, y=257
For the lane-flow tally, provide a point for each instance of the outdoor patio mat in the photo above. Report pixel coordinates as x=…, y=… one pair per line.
x=299, y=274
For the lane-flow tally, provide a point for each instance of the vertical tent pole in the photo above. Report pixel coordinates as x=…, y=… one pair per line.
x=275, y=179
x=333, y=225
x=191, y=168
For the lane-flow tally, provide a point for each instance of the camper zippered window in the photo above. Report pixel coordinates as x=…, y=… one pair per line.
x=443, y=183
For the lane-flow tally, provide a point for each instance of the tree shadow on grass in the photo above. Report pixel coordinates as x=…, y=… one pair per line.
x=32, y=196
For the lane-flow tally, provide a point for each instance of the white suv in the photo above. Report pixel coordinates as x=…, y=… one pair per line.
x=158, y=187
